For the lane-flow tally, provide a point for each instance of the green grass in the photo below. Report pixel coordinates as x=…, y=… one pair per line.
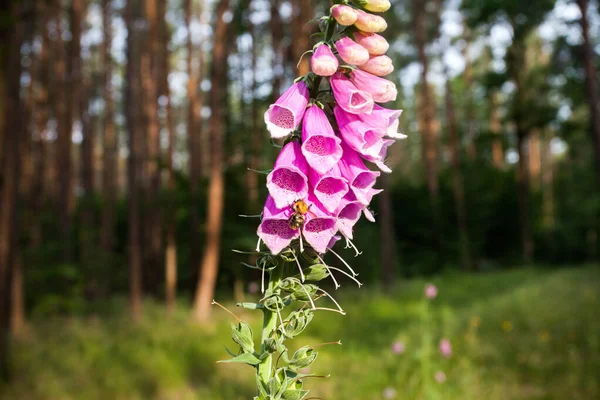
x=520, y=334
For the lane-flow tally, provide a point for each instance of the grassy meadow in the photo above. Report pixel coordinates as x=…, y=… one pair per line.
x=518, y=334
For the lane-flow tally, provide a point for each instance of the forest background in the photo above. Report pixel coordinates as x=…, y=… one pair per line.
x=131, y=134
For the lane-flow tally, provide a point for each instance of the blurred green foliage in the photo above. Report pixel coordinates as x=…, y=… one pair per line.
x=521, y=334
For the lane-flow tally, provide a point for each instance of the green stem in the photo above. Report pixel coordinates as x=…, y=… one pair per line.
x=269, y=324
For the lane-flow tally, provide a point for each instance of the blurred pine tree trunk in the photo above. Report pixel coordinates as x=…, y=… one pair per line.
x=591, y=81
x=469, y=103
x=427, y=123
x=515, y=68
x=277, y=65
x=495, y=127
x=210, y=261
x=12, y=36
x=302, y=11
x=458, y=190
x=109, y=156
x=135, y=126
x=65, y=66
x=171, y=239
x=194, y=132
x=152, y=250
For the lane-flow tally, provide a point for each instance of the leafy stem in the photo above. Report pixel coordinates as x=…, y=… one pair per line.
x=269, y=325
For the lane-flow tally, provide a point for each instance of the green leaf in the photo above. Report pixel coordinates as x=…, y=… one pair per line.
x=244, y=358
x=302, y=358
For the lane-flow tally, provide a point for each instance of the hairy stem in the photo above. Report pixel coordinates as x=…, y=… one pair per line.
x=269, y=324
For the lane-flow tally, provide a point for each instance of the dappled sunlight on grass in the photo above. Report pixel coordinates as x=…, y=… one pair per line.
x=521, y=334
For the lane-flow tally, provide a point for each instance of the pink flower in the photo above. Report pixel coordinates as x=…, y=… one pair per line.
x=323, y=62
x=379, y=159
x=348, y=97
x=375, y=44
x=351, y=52
x=431, y=291
x=378, y=65
x=285, y=115
x=329, y=188
x=274, y=229
x=445, y=348
x=440, y=377
x=386, y=119
x=344, y=15
x=320, y=145
x=288, y=181
x=361, y=137
x=360, y=178
x=348, y=214
x=370, y=23
x=398, y=348
x=382, y=90
x=320, y=228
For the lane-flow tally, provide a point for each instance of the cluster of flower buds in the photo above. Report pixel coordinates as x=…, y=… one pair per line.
x=320, y=185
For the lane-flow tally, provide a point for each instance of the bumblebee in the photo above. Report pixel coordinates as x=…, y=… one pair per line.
x=298, y=217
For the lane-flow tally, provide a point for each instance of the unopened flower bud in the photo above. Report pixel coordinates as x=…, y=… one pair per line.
x=375, y=5
x=370, y=23
x=375, y=44
x=323, y=62
x=344, y=15
x=351, y=52
x=378, y=65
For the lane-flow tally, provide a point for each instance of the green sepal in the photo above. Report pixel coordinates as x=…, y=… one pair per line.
x=250, y=306
x=303, y=292
x=244, y=358
x=296, y=323
x=242, y=335
x=294, y=394
x=302, y=358
x=270, y=345
x=315, y=273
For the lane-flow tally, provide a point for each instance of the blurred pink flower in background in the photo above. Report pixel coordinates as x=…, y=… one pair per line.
x=253, y=287
x=431, y=291
x=440, y=377
x=389, y=393
x=445, y=347
x=398, y=347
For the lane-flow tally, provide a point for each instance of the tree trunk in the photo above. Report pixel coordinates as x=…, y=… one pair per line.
x=17, y=310
x=303, y=11
x=150, y=81
x=534, y=159
x=276, y=26
x=210, y=261
x=547, y=182
x=457, y=180
x=194, y=134
x=496, y=131
x=135, y=124
x=388, y=237
x=10, y=68
x=171, y=239
x=469, y=104
x=591, y=82
x=523, y=197
x=109, y=157
x=426, y=120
